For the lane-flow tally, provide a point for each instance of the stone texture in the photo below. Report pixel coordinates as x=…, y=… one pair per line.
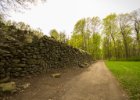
x=19, y=60
x=56, y=75
x=7, y=87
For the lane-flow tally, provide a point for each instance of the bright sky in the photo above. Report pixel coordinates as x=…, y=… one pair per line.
x=63, y=14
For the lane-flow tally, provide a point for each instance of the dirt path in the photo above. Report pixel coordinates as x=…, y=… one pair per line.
x=94, y=83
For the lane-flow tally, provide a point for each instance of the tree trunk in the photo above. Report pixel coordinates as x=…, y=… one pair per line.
x=114, y=45
x=125, y=45
x=137, y=36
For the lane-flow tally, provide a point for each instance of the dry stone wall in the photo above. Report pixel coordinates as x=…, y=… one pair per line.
x=38, y=57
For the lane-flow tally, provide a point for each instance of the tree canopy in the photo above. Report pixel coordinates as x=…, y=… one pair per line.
x=117, y=36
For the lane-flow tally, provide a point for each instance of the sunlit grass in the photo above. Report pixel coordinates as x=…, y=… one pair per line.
x=128, y=73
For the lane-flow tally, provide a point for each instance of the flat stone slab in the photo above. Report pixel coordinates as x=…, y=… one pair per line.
x=56, y=75
x=8, y=87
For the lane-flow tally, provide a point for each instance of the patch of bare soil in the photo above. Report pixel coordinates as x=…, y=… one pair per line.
x=44, y=87
x=93, y=83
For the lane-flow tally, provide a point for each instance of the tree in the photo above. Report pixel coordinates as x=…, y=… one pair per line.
x=136, y=25
x=106, y=48
x=110, y=29
x=120, y=36
x=124, y=21
x=79, y=29
x=93, y=24
x=23, y=26
x=76, y=41
x=54, y=34
x=6, y=5
x=62, y=37
x=96, y=42
x=86, y=36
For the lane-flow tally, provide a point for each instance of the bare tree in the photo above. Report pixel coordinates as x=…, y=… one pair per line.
x=6, y=5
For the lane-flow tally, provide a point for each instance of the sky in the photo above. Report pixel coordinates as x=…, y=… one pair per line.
x=63, y=14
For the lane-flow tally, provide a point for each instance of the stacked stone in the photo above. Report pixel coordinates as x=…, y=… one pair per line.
x=34, y=58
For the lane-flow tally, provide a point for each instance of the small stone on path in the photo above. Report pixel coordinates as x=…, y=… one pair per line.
x=56, y=75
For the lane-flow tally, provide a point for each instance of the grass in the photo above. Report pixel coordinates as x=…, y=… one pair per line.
x=126, y=59
x=128, y=74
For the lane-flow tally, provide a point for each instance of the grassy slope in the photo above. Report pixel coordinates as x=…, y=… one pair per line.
x=128, y=73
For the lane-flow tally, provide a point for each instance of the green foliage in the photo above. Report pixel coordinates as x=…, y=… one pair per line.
x=86, y=37
x=94, y=46
x=79, y=26
x=18, y=32
x=59, y=36
x=54, y=34
x=119, y=37
x=62, y=37
x=76, y=41
x=128, y=73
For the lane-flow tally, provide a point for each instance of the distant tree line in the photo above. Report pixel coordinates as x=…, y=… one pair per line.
x=115, y=37
x=86, y=36
x=122, y=36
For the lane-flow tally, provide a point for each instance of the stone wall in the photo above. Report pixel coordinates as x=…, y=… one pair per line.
x=38, y=57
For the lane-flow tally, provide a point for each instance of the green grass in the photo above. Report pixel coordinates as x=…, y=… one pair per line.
x=128, y=74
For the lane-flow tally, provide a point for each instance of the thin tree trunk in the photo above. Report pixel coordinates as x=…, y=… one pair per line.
x=114, y=45
x=125, y=44
x=137, y=36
